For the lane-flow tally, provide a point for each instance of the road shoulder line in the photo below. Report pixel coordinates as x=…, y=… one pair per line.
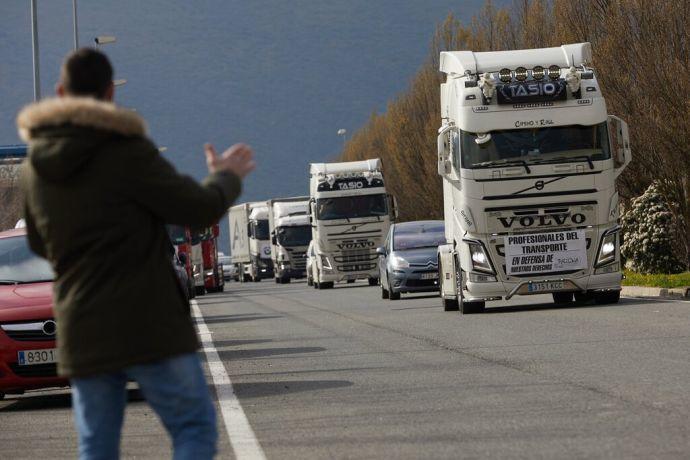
x=242, y=438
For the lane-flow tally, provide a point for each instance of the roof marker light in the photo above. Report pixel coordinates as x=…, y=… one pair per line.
x=554, y=72
x=538, y=72
x=521, y=74
x=505, y=75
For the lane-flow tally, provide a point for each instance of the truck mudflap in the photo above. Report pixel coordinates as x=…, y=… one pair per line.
x=447, y=280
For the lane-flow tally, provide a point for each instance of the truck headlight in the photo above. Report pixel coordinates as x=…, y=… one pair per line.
x=607, y=249
x=325, y=263
x=399, y=262
x=479, y=258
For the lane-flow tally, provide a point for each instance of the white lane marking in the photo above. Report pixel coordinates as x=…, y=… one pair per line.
x=242, y=437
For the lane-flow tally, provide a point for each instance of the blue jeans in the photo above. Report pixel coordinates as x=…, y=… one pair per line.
x=176, y=390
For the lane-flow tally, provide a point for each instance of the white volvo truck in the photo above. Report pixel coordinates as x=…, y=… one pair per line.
x=350, y=216
x=529, y=159
x=288, y=224
x=250, y=246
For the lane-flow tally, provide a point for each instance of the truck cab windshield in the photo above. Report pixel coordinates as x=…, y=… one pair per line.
x=260, y=229
x=348, y=207
x=294, y=236
x=559, y=144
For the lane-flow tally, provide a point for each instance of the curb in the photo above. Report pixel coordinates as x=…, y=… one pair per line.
x=663, y=293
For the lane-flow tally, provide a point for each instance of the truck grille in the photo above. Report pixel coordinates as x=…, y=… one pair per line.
x=299, y=260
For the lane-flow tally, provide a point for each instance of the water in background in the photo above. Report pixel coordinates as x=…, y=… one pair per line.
x=283, y=76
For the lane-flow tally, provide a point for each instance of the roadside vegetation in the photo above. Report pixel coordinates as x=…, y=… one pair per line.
x=641, y=50
x=677, y=280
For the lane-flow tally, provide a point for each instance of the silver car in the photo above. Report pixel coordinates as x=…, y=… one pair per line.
x=408, y=259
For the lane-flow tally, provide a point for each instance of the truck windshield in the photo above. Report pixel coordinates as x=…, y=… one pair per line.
x=294, y=236
x=177, y=234
x=19, y=265
x=260, y=230
x=559, y=144
x=348, y=207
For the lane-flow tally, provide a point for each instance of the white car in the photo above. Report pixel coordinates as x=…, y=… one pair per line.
x=311, y=263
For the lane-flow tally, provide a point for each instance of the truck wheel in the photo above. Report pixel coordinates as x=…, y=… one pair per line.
x=562, y=297
x=326, y=285
x=392, y=295
x=257, y=279
x=277, y=280
x=373, y=281
x=384, y=292
x=246, y=278
x=199, y=290
x=583, y=296
x=469, y=308
x=449, y=304
x=285, y=280
x=602, y=298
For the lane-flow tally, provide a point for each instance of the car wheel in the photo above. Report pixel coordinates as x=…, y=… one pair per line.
x=373, y=281
x=392, y=295
x=562, y=297
x=602, y=298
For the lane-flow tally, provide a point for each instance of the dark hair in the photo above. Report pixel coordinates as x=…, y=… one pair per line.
x=86, y=72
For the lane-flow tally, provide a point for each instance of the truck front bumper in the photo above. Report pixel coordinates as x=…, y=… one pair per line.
x=334, y=275
x=542, y=285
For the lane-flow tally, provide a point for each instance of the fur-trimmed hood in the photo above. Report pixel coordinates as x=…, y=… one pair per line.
x=79, y=111
x=64, y=134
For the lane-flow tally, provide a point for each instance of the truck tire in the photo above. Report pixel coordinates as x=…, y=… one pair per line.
x=373, y=281
x=285, y=280
x=277, y=280
x=583, y=296
x=199, y=290
x=562, y=297
x=326, y=285
x=475, y=306
x=602, y=298
x=392, y=295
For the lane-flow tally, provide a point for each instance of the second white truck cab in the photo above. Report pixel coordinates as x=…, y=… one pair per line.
x=288, y=224
x=529, y=159
x=351, y=213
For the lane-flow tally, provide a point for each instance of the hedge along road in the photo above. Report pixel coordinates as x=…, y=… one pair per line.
x=340, y=373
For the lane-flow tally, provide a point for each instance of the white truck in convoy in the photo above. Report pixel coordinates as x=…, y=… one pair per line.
x=288, y=225
x=350, y=216
x=250, y=246
x=529, y=159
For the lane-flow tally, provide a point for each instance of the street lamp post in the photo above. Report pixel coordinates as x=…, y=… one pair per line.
x=34, y=47
x=74, y=21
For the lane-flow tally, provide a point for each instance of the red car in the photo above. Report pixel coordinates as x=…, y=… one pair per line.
x=28, y=355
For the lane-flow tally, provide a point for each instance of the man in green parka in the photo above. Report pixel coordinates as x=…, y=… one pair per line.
x=98, y=195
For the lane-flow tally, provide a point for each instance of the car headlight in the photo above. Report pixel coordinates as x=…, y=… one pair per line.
x=607, y=249
x=479, y=258
x=399, y=262
x=325, y=263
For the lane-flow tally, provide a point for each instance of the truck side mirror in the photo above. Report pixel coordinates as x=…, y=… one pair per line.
x=381, y=250
x=619, y=143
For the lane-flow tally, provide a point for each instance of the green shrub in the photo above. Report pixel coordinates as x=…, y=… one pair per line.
x=648, y=231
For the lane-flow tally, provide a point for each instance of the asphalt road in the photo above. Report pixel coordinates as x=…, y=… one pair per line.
x=343, y=374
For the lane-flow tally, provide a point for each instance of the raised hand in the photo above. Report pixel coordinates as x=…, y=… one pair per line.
x=238, y=159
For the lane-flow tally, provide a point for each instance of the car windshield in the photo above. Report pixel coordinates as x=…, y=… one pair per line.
x=534, y=145
x=294, y=236
x=348, y=207
x=19, y=265
x=260, y=229
x=418, y=236
x=177, y=234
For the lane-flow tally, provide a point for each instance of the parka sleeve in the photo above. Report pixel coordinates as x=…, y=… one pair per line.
x=175, y=198
x=35, y=241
